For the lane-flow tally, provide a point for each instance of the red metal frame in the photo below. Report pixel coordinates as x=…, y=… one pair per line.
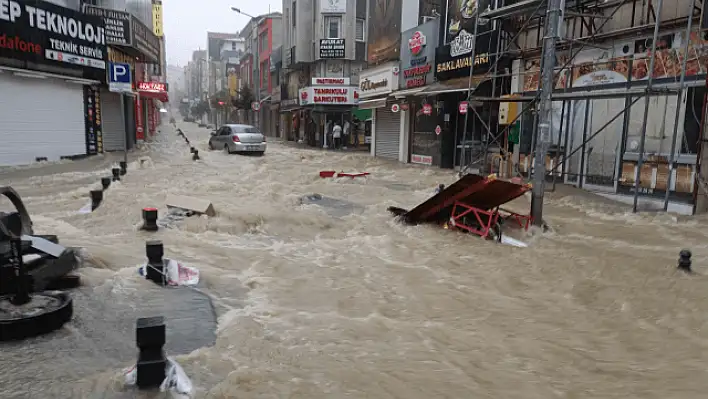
x=456, y=218
x=524, y=221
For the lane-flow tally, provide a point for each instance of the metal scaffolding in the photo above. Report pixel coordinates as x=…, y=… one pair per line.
x=585, y=19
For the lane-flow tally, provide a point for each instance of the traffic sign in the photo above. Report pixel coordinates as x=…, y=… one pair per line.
x=463, y=107
x=256, y=106
x=119, y=77
x=395, y=108
x=438, y=130
x=427, y=109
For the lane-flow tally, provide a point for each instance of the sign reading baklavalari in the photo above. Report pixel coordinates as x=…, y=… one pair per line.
x=38, y=32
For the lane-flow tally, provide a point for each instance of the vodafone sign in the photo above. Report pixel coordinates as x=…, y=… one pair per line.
x=328, y=95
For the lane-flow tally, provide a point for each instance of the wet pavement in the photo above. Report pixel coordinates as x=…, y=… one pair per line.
x=316, y=303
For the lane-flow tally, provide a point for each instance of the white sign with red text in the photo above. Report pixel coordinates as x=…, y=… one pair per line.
x=328, y=95
x=421, y=159
x=330, y=81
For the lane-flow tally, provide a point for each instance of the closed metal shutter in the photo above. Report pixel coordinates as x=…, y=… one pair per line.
x=113, y=128
x=40, y=118
x=387, y=133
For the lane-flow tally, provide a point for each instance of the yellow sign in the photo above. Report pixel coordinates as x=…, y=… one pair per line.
x=233, y=85
x=157, y=17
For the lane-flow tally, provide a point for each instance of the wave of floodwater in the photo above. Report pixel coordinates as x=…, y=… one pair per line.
x=316, y=306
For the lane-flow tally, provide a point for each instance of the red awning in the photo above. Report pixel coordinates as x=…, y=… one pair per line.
x=157, y=95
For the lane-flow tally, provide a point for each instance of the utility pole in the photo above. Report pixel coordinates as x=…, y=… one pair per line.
x=257, y=66
x=543, y=141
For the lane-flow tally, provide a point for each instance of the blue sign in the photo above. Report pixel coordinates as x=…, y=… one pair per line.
x=119, y=77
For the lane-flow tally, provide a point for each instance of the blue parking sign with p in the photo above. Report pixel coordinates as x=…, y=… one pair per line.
x=119, y=77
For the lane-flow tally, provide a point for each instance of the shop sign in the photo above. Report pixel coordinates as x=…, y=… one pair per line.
x=395, y=108
x=438, y=130
x=289, y=104
x=377, y=81
x=92, y=120
x=157, y=17
x=330, y=81
x=145, y=41
x=332, y=48
x=139, y=131
x=422, y=159
x=156, y=87
x=462, y=44
x=417, y=55
x=328, y=95
x=427, y=109
x=117, y=24
x=333, y=7
x=450, y=66
x=462, y=107
x=43, y=33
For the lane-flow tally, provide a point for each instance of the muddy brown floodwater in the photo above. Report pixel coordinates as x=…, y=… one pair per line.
x=314, y=305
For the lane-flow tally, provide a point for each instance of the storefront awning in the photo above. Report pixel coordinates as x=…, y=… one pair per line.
x=157, y=95
x=373, y=103
x=407, y=92
x=452, y=86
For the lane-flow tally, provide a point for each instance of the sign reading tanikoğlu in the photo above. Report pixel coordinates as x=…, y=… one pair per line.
x=117, y=24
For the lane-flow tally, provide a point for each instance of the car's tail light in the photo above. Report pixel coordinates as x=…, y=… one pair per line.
x=236, y=139
x=264, y=140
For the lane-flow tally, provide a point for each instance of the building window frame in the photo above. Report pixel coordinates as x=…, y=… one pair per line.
x=360, y=27
x=333, y=27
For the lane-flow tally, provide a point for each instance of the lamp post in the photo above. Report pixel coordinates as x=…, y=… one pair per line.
x=256, y=63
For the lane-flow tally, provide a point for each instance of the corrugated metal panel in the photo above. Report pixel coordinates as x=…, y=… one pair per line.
x=387, y=134
x=113, y=128
x=40, y=118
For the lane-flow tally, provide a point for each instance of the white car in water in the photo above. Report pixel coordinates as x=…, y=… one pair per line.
x=238, y=138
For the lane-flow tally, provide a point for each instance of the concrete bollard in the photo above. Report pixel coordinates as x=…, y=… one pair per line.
x=96, y=198
x=150, y=337
x=123, y=167
x=684, y=262
x=149, y=219
x=154, y=251
x=192, y=150
x=105, y=182
x=195, y=155
x=116, y=174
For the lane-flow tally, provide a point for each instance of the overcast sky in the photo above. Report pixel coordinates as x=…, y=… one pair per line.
x=187, y=21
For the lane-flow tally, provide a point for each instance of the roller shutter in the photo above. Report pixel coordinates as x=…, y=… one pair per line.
x=113, y=128
x=40, y=117
x=387, y=133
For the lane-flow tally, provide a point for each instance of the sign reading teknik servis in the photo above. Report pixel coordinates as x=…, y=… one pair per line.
x=38, y=32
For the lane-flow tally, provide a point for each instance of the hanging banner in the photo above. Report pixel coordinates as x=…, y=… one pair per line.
x=139, y=131
x=90, y=120
x=157, y=17
x=97, y=121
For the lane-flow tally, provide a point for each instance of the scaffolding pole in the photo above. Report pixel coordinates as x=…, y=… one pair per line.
x=544, y=127
x=650, y=81
x=682, y=81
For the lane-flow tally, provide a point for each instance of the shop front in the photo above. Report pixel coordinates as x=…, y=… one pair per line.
x=421, y=143
x=327, y=102
x=375, y=86
x=462, y=126
x=150, y=95
x=290, y=119
x=48, y=81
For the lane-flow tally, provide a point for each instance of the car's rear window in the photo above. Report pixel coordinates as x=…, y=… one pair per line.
x=244, y=129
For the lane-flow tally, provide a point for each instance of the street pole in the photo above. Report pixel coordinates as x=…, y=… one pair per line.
x=463, y=149
x=257, y=66
x=125, y=128
x=543, y=141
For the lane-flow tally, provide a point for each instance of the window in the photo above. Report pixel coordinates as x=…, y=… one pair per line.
x=333, y=27
x=294, y=13
x=263, y=40
x=233, y=46
x=245, y=129
x=360, y=30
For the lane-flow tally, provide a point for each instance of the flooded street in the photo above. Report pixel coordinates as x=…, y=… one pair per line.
x=316, y=305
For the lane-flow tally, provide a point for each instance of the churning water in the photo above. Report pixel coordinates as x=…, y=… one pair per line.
x=319, y=304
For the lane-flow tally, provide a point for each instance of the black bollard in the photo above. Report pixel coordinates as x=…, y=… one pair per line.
x=96, y=198
x=154, y=250
x=150, y=337
x=105, y=182
x=116, y=174
x=123, y=167
x=192, y=150
x=149, y=219
x=684, y=262
x=195, y=155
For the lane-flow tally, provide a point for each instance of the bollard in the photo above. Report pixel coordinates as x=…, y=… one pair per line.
x=192, y=150
x=195, y=155
x=116, y=174
x=105, y=182
x=684, y=262
x=123, y=167
x=186, y=140
x=154, y=251
x=96, y=198
x=150, y=337
x=149, y=219
x=22, y=281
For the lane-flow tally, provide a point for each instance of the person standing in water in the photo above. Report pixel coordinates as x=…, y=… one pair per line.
x=337, y=135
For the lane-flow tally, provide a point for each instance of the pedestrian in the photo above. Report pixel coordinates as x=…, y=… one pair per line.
x=346, y=132
x=328, y=142
x=356, y=131
x=337, y=135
